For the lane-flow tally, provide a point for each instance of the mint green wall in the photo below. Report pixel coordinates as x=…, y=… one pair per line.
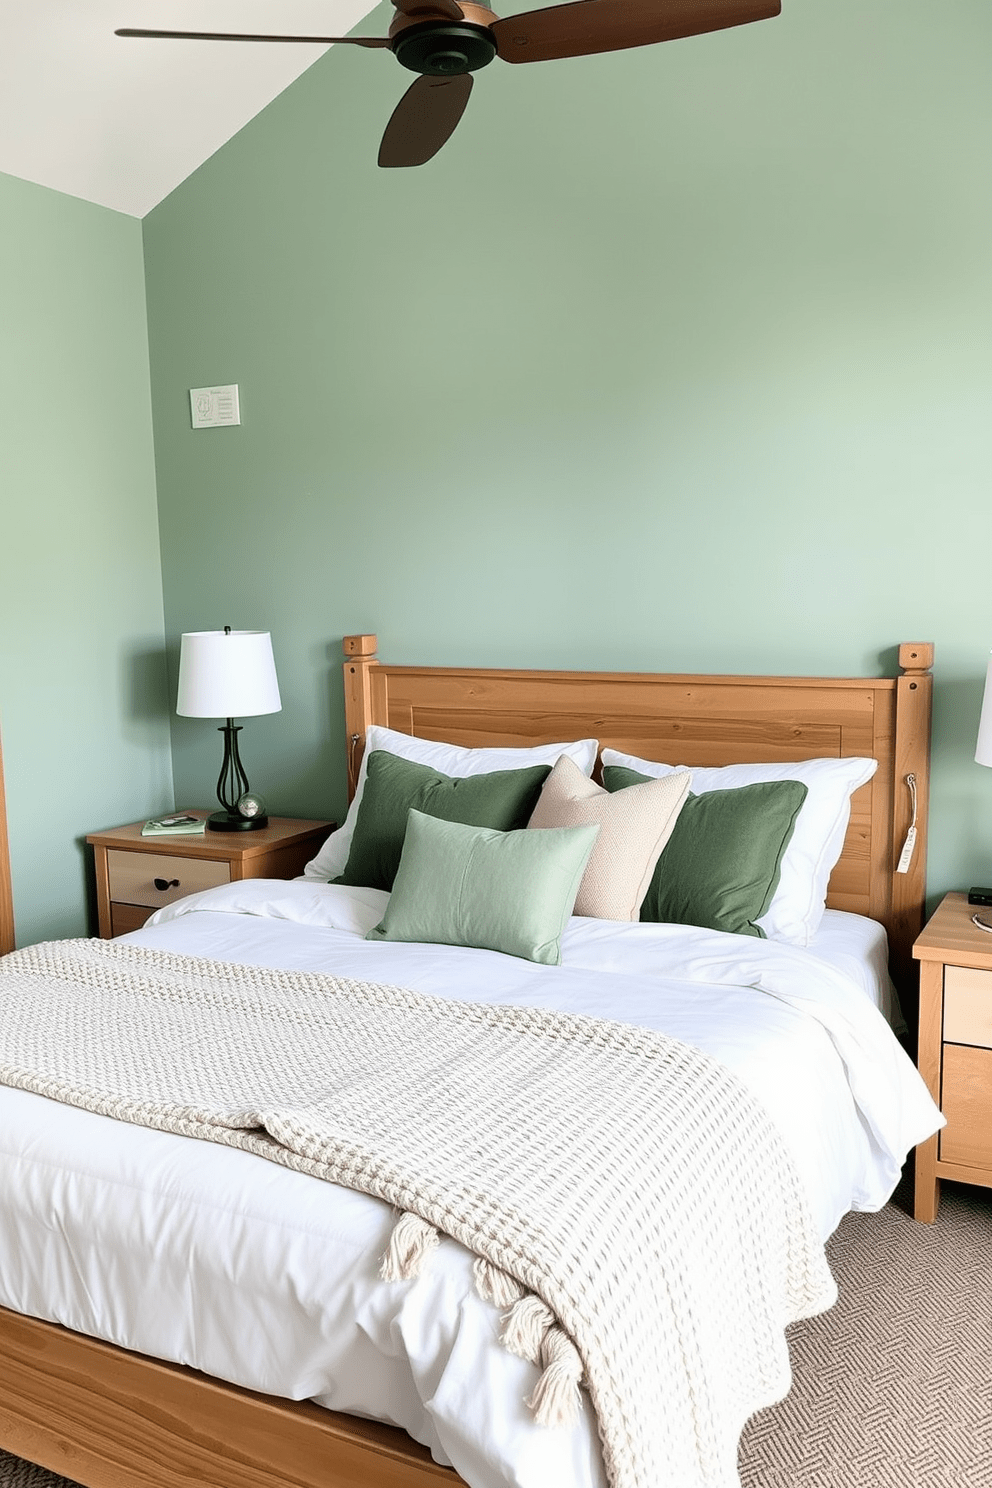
x=673, y=359
x=82, y=688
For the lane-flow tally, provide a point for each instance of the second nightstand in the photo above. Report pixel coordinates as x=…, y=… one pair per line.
x=955, y=1052
x=136, y=875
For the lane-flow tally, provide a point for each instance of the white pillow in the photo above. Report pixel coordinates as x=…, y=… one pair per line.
x=449, y=759
x=817, y=841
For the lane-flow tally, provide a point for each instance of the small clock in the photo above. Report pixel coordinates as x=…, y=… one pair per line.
x=251, y=805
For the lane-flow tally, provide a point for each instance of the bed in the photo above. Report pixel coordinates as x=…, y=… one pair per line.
x=107, y=1416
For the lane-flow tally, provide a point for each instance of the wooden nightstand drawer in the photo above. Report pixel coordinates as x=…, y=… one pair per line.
x=133, y=875
x=967, y=1104
x=968, y=1006
x=127, y=917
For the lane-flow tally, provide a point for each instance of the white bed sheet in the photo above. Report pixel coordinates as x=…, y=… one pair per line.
x=209, y=1256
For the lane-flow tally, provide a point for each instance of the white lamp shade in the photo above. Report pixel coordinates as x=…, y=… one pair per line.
x=227, y=674
x=983, y=753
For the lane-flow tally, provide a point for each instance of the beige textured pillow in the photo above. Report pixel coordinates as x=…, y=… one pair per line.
x=634, y=826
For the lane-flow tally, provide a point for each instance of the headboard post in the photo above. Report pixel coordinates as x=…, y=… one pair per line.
x=914, y=689
x=360, y=659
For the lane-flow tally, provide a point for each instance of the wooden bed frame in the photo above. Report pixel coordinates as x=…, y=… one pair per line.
x=113, y=1419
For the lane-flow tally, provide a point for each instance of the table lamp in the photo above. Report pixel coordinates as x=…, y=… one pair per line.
x=983, y=756
x=229, y=674
x=983, y=753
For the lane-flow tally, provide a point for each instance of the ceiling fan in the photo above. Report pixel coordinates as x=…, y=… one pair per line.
x=447, y=40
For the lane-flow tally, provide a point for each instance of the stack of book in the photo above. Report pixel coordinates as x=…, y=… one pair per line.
x=175, y=826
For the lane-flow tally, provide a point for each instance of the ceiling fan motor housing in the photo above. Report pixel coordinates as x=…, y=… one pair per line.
x=444, y=49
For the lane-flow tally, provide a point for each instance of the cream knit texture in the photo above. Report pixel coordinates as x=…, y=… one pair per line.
x=628, y=1200
x=634, y=827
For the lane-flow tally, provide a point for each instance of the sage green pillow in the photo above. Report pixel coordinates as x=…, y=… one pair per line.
x=503, y=800
x=721, y=865
x=499, y=891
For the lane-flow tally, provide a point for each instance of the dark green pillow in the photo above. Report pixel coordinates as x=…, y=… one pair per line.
x=720, y=867
x=503, y=800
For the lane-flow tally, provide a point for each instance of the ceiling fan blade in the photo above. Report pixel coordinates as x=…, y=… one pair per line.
x=588, y=26
x=425, y=117
x=365, y=41
x=441, y=8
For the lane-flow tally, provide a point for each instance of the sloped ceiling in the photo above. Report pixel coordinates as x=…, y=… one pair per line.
x=123, y=122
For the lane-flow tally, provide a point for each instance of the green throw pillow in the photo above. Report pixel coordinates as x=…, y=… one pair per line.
x=720, y=867
x=503, y=800
x=498, y=891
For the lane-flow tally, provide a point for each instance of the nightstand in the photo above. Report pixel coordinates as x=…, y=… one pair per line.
x=136, y=875
x=955, y=1051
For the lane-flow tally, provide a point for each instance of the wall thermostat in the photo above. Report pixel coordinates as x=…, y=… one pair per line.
x=213, y=407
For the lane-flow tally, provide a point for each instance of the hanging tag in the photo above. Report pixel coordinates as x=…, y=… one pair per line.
x=906, y=856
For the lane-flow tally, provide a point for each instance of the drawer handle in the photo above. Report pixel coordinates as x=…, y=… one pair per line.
x=166, y=883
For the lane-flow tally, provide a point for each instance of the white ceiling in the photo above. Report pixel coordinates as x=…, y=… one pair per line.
x=122, y=122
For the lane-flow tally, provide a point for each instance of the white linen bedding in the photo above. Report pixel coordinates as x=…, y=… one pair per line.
x=103, y=1226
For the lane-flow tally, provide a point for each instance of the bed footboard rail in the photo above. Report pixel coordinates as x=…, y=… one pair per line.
x=108, y=1418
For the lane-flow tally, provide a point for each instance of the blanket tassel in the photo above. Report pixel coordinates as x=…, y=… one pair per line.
x=410, y=1246
x=524, y=1327
x=530, y=1331
x=556, y=1400
x=529, y=1328
x=494, y=1285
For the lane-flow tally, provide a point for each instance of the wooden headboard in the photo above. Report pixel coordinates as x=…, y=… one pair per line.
x=696, y=720
x=6, y=893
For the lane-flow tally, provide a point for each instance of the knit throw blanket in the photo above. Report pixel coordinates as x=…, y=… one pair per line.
x=633, y=1210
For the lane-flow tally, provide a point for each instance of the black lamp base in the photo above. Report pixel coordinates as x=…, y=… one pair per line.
x=220, y=821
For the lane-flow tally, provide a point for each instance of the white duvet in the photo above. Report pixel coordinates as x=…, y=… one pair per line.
x=209, y=1256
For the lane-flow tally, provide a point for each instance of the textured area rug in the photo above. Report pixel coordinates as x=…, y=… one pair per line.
x=17, y=1474
x=893, y=1387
